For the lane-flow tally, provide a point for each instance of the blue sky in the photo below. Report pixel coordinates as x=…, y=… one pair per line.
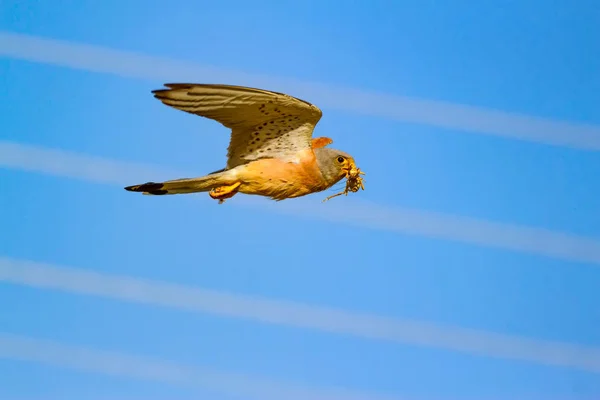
x=527, y=57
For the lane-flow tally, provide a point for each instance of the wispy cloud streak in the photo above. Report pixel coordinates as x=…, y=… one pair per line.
x=44, y=276
x=147, y=369
x=372, y=216
x=69, y=164
x=441, y=114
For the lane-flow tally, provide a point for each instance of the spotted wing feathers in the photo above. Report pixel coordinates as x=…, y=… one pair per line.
x=263, y=124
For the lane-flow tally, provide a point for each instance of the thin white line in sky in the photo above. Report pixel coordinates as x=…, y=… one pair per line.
x=279, y=312
x=436, y=113
x=362, y=214
x=147, y=369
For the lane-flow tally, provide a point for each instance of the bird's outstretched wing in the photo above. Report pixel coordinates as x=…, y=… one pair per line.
x=263, y=124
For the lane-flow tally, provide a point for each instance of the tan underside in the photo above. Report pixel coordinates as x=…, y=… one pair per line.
x=274, y=178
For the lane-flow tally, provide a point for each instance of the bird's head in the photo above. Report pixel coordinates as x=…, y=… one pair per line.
x=336, y=165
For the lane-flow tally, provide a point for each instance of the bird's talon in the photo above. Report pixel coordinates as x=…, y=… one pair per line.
x=224, y=192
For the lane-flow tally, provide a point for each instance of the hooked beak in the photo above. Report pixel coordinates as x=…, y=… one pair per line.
x=353, y=171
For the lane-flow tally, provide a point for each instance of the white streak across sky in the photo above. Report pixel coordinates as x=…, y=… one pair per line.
x=436, y=113
x=115, y=364
x=371, y=216
x=279, y=312
x=220, y=384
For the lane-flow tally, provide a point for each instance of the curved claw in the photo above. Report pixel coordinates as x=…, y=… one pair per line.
x=224, y=192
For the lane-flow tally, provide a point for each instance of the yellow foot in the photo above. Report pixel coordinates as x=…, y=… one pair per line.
x=224, y=192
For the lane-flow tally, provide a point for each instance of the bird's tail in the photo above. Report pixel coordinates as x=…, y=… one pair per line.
x=179, y=186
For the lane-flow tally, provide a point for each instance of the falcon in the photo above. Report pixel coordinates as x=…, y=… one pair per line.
x=271, y=153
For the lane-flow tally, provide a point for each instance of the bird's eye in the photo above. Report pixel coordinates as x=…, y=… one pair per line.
x=340, y=159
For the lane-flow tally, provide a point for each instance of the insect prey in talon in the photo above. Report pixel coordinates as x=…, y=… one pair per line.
x=353, y=183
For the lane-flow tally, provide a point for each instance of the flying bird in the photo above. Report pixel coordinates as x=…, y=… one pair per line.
x=271, y=151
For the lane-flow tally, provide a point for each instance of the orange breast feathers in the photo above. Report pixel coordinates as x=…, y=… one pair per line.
x=279, y=179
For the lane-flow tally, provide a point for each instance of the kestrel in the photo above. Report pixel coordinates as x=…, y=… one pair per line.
x=271, y=151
